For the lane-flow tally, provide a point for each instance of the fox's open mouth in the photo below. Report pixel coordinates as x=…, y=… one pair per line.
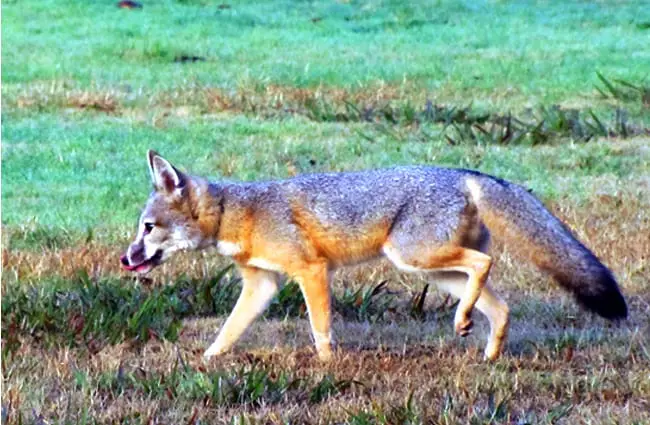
x=143, y=267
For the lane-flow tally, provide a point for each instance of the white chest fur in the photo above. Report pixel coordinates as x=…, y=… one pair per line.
x=228, y=248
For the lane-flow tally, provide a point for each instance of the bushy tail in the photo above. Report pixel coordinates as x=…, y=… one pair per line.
x=515, y=216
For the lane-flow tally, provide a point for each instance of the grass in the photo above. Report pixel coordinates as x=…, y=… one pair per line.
x=550, y=95
x=352, y=43
x=624, y=90
x=99, y=162
x=91, y=313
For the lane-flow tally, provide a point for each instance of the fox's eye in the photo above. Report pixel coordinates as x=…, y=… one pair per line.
x=148, y=227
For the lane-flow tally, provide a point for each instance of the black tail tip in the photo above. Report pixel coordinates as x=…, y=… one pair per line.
x=603, y=297
x=611, y=306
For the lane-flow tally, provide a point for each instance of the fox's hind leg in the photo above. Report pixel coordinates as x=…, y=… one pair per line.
x=475, y=264
x=490, y=304
x=258, y=289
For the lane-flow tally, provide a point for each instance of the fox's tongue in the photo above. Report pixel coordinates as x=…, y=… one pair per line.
x=143, y=268
x=129, y=267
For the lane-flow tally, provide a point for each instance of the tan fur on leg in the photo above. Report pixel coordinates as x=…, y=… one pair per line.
x=495, y=309
x=475, y=264
x=314, y=283
x=259, y=288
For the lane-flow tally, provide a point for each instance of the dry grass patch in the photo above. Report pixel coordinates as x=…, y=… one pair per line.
x=61, y=94
x=385, y=105
x=256, y=98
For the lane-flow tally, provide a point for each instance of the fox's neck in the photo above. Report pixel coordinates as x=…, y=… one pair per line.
x=231, y=211
x=207, y=207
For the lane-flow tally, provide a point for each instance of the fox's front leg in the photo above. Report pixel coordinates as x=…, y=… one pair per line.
x=313, y=279
x=259, y=288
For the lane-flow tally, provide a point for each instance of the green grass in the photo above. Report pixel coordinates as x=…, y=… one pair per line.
x=497, y=56
x=544, y=50
x=96, y=164
x=91, y=313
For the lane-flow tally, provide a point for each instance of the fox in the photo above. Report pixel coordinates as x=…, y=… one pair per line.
x=423, y=219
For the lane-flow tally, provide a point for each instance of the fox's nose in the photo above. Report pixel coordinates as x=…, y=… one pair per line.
x=124, y=260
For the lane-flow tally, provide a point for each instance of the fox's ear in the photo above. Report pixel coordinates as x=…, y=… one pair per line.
x=164, y=175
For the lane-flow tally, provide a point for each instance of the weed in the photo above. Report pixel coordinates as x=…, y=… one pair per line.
x=549, y=125
x=416, y=310
x=208, y=296
x=624, y=90
x=364, y=304
x=246, y=386
x=59, y=95
x=404, y=414
x=329, y=387
x=288, y=303
x=494, y=412
x=253, y=385
x=92, y=313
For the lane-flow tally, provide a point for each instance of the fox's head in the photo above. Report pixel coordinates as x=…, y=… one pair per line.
x=182, y=213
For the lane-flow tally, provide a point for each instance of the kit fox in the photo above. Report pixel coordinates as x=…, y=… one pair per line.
x=423, y=219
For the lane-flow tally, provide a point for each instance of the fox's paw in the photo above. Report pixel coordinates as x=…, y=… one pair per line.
x=324, y=346
x=326, y=351
x=325, y=355
x=492, y=353
x=213, y=350
x=464, y=326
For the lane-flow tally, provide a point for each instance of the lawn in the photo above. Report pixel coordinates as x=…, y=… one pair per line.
x=552, y=95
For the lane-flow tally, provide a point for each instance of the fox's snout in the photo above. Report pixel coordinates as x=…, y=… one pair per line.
x=135, y=259
x=134, y=254
x=126, y=263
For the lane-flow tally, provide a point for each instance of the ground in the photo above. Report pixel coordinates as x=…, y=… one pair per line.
x=552, y=96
